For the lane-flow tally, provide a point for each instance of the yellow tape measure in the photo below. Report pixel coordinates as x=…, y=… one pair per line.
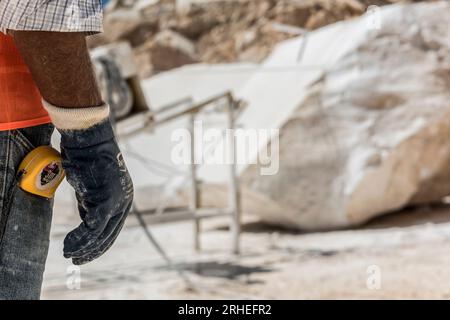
x=42, y=172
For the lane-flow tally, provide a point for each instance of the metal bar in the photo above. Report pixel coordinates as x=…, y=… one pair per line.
x=147, y=119
x=234, y=192
x=173, y=105
x=194, y=199
x=194, y=109
x=183, y=215
x=158, y=247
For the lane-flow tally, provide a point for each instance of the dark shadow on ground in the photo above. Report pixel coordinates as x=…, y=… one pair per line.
x=412, y=216
x=227, y=270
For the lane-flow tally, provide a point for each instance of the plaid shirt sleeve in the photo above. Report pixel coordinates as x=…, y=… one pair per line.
x=51, y=15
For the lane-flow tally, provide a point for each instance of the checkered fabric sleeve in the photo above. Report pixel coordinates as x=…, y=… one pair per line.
x=51, y=15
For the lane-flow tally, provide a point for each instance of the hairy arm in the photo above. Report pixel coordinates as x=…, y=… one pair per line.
x=61, y=67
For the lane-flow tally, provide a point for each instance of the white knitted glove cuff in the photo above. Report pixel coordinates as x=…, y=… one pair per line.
x=76, y=118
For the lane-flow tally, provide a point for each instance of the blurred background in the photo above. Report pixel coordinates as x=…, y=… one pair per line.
x=339, y=179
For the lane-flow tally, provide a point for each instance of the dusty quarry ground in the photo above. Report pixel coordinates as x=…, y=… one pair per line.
x=410, y=251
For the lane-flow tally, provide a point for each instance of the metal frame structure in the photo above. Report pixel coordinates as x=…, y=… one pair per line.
x=148, y=121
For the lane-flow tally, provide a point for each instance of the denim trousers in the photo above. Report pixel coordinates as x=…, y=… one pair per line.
x=25, y=219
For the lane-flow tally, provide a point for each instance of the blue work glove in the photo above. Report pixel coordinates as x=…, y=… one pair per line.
x=96, y=170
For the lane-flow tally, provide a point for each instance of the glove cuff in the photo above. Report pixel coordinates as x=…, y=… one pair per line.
x=76, y=118
x=78, y=139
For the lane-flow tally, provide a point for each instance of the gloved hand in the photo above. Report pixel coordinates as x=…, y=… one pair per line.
x=96, y=170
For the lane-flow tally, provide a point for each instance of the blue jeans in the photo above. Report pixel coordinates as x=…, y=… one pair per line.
x=24, y=218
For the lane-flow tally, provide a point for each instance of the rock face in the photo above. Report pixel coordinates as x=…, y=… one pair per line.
x=221, y=30
x=170, y=50
x=373, y=135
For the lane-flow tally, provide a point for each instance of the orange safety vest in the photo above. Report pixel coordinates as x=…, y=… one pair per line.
x=20, y=100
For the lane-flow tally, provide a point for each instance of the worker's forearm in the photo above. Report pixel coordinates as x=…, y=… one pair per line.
x=61, y=67
x=92, y=160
